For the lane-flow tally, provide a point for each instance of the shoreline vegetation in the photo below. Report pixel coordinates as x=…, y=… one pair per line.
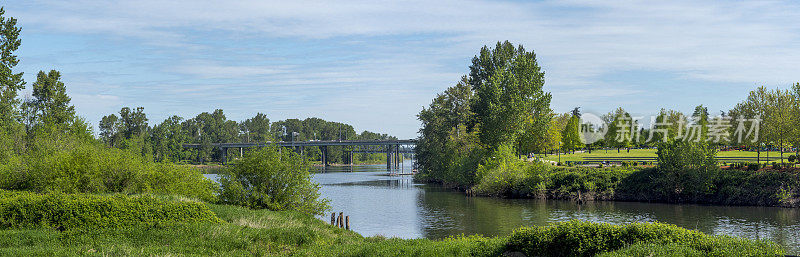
x=213, y=229
x=475, y=137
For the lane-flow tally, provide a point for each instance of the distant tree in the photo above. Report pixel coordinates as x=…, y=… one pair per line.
x=570, y=136
x=133, y=122
x=10, y=82
x=619, y=133
x=507, y=82
x=754, y=107
x=256, y=129
x=795, y=134
x=779, y=122
x=51, y=99
x=167, y=139
x=109, y=129
x=701, y=121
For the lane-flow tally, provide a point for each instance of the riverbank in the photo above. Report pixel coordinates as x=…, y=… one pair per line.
x=245, y=232
x=724, y=186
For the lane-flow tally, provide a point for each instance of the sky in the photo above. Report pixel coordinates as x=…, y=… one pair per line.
x=375, y=64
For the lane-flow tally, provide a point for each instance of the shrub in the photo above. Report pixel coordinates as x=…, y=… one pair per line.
x=84, y=211
x=268, y=178
x=503, y=173
x=76, y=166
x=580, y=238
x=686, y=155
x=792, y=158
x=753, y=166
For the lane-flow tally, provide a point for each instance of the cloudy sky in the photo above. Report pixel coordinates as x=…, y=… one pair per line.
x=374, y=64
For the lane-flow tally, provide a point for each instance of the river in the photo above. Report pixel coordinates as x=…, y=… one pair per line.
x=395, y=206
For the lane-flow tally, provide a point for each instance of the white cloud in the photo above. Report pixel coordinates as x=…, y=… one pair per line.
x=577, y=42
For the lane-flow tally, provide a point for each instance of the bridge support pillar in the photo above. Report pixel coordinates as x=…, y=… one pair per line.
x=324, y=156
x=224, y=155
x=388, y=157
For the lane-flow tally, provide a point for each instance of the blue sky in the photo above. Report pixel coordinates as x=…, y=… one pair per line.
x=375, y=64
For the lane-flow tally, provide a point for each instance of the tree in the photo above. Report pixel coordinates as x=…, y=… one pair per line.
x=167, y=139
x=268, y=178
x=109, y=129
x=754, y=107
x=445, y=138
x=779, y=120
x=132, y=122
x=51, y=99
x=619, y=133
x=571, y=136
x=256, y=129
x=508, y=83
x=795, y=134
x=10, y=82
x=700, y=116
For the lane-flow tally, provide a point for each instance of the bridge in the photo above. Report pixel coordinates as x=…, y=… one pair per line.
x=392, y=148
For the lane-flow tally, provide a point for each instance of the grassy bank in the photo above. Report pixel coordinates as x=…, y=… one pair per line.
x=612, y=153
x=245, y=232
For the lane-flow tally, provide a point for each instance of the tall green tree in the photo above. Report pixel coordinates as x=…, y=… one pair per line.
x=754, y=107
x=133, y=122
x=779, y=121
x=507, y=82
x=445, y=144
x=109, y=130
x=619, y=133
x=167, y=140
x=11, y=82
x=570, y=136
x=51, y=99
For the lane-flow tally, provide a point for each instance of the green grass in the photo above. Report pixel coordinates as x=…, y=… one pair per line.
x=246, y=232
x=243, y=232
x=610, y=153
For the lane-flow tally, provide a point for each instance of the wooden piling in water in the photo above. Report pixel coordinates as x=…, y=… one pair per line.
x=341, y=219
x=333, y=218
x=347, y=222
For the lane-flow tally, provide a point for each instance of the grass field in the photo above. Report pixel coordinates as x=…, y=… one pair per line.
x=245, y=232
x=611, y=153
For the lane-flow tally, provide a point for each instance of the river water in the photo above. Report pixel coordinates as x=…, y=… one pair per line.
x=395, y=206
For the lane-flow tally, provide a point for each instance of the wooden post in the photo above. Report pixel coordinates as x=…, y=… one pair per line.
x=347, y=222
x=341, y=219
x=333, y=218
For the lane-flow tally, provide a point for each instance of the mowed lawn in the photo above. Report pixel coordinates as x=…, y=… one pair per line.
x=611, y=153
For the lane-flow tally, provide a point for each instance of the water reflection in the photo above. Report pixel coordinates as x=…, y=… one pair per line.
x=394, y=206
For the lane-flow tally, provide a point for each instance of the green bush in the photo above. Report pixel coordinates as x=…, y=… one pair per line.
x=792, y=158
x=85, y=211
x=580, y=238
x=686, y=155
x=76, y=166
x=268, y=178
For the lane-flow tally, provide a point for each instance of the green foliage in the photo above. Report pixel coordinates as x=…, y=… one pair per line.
x=73, y=165
x=10, y=82
x=571, y=137
x=246, y=232
x=507, y=82
x=269, y=178
x=580, y=238
x=51, y=104
x=86, y=211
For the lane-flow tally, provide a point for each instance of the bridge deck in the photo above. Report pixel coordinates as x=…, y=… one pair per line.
x=311, y=143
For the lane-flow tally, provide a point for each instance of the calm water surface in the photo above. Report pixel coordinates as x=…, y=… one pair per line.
x=394, y=206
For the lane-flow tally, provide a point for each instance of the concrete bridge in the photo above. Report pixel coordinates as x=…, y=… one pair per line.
x=392, y=148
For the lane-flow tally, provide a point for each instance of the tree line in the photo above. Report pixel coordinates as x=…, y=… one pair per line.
x=129, y=129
